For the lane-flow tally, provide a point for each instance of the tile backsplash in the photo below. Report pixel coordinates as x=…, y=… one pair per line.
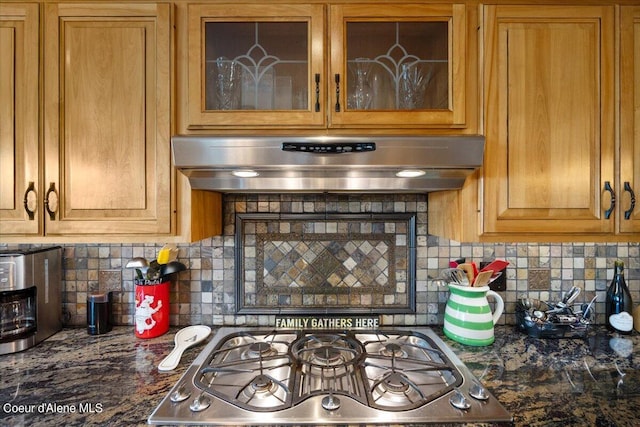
x=205, y=293
x=325, y=263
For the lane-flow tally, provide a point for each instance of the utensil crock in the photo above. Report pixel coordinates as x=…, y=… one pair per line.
x=468, y=318
x=152, y=309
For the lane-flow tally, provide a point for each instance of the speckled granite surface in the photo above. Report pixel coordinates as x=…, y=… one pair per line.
x=74, y=379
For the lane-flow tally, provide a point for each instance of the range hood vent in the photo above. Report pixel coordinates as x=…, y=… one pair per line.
x=327, y=164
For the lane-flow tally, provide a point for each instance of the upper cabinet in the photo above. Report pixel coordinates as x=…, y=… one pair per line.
x=20, y=187
x=314, y=65
x=107, y=118
x=554, y=167
x=398, y=65
x=550, y=127
x=628, y=214
x=255, y=65
x=104, y=168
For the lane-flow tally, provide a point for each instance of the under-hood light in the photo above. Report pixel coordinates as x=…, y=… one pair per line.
x=245, y=173
x=410, y=173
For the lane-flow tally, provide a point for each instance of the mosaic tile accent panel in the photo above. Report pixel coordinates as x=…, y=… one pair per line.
x=327, y=263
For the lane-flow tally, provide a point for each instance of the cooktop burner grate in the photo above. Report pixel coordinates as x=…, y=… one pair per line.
x=405, y=370
x=253, y=371
x=327, y=362
x=277, y=377
x=270, y=370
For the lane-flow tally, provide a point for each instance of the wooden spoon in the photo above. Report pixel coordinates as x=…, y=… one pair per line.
x=483, y=278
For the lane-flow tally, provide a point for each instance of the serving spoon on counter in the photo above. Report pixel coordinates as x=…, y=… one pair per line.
x=185, y=338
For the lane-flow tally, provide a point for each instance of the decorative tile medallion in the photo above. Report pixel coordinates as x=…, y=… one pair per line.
x=325, y=263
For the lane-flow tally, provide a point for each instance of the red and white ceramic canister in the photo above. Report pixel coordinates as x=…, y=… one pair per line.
x=152, y=309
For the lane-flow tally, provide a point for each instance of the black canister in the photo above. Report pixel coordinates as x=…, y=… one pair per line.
x=98, y=313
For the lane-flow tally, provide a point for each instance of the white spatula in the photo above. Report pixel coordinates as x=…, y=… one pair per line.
x=185, y=338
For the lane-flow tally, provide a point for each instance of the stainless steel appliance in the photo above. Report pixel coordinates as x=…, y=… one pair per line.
x=30, y=307
x=327, y=163
x=277, y=377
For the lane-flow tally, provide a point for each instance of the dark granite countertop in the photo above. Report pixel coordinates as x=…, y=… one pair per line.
x=74, y=379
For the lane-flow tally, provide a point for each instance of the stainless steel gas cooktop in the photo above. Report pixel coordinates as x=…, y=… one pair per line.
x=280, y=377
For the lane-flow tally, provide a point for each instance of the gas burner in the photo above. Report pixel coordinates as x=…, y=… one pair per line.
x=395, y=389
x=259, y=349
x=261, y=383
x=395, y=383
x=393, y=349
x=263, y=391
x=326, y=350
x=326, y=356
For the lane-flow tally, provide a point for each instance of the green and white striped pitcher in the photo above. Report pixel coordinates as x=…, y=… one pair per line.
x=468, y=318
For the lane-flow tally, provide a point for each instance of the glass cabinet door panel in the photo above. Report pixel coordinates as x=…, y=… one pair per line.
x=256, y=66
x=397, y=65
x=402, y=65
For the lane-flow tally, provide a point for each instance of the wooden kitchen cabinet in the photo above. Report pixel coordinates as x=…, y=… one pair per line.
x=550, y=119
x=551, y=161
x=107, y=167
x=255, y=65
x=20, y=185
x=342, y=65
x=85, y=126
x=398, y=65
x=628, y=213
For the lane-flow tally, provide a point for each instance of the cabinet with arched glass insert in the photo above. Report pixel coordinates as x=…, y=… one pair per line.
x=338, y=66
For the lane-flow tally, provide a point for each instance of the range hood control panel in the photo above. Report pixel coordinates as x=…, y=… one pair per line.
x=329, y=148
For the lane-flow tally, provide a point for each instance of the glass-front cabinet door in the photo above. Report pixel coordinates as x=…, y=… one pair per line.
x=384, y=66
x=257, y=65
x=398, y=65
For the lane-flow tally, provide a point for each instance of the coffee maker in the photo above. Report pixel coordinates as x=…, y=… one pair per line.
x=30, y=298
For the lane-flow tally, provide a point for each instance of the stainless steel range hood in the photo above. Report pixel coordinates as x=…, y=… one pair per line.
x=327, y=164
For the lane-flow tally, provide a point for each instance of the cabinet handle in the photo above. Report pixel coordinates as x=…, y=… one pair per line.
x=52, y=189
x=627, y=187
x=337, y=93
x=30, y=188
x=317, y=93
x=607, y=187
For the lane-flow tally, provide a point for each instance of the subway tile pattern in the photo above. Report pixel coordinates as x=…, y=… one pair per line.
x=205, y=293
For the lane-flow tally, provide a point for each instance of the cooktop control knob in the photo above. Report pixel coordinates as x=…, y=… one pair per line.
x=200, y=403
x=459, y=401
x=180, y=394
x=477, y=391
x=330, y=403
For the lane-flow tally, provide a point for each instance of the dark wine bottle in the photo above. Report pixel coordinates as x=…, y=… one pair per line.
x=619, y=306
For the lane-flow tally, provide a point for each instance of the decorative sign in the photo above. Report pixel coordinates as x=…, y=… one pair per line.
x=332, y=322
